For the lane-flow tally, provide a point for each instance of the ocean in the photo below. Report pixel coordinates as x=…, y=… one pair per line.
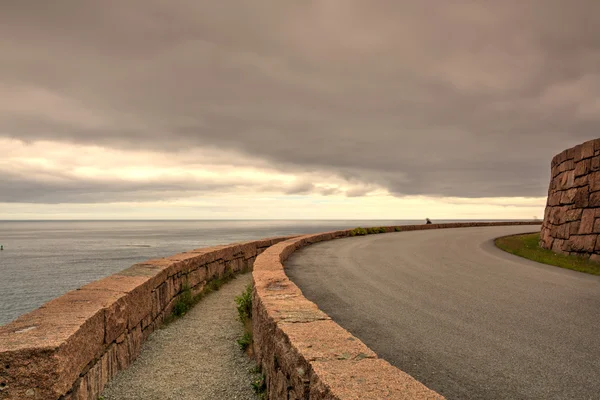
x=42, y=260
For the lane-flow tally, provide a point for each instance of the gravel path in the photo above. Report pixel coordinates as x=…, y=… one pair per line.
x=195, y=357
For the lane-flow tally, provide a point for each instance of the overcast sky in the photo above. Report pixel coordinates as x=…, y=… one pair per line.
x=291, y=109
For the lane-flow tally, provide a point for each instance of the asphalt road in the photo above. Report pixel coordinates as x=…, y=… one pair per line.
x=465, y=318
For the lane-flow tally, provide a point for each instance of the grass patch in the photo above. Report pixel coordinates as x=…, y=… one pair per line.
x=186, y=300
x=244, y=309
x=367, y=231
x=375, y=230
x=245, y=341
x=358, y=232
x=259, y=385
x=527, y=246
x=244, y=304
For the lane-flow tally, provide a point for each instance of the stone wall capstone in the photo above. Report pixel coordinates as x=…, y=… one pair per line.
x=572, y=217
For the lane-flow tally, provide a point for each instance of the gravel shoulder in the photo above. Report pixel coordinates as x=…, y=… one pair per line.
x=195, y=357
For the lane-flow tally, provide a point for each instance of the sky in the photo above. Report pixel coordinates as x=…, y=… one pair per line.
x=330, y=109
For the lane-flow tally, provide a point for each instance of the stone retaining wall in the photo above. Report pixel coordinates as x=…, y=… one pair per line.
x=307, y=356
x=70, y=347
x=572, y=216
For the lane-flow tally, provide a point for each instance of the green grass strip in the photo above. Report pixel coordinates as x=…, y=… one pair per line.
x=527, y=246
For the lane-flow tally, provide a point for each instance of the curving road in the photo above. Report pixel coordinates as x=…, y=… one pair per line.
x=465, y=318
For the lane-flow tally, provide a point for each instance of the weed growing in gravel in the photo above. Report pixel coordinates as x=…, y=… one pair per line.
x=259, y=384
x=216, y=283
x=254, y=370
x=244, y=304
x=245, y=341
x=244, y=308
x=184, y=302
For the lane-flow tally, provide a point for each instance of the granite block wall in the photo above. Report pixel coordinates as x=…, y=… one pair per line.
x=572, y=217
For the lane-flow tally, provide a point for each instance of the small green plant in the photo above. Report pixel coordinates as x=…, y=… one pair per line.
x=398, y=229
x=184, y=302
x=259, y=384
x=245, y=341
x=244, y=304
x=376, y=229
x=215, y=284
x=358, y=231
x=254, y=370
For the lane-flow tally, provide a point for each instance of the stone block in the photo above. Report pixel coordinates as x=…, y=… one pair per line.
x=161, y=296
x=586, y=150
x=54, y=343
x=581, y=199
x=561, y=157
x=216, y=269
x=587, y=221
x=563, y=231
x=325, y=340
x=595, y=164
x=565, y=180
x=197, y=276
x=594, y=200
x=117, y=312
x=365, y=379
x=574, y=227
x=583, y=167
x=597, y=225
x=594, y=181
x=583, y=180
x=557, y=245
x=558, y=215
x=139, y=304
x=568, y=196
x=574, y=214
x=554, y=198
x=583, y=243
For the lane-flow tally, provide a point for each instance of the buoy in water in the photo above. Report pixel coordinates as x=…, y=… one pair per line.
x=1, y=247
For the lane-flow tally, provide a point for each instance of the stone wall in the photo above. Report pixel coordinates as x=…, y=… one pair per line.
x=70, y=347
x=306, y=355
x=572, y=217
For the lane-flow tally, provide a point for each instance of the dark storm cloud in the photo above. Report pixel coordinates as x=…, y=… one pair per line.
x=456, y=98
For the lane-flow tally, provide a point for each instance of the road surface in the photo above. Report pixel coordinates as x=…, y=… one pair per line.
x=465, y=318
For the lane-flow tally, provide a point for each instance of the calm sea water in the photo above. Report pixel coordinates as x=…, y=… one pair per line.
x=45, y=259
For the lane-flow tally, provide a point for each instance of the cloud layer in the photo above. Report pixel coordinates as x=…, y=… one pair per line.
x=461, y=99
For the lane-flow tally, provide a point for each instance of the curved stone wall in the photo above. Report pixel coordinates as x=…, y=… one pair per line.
x=306, y=355
x=70, y=347
x=572, y=217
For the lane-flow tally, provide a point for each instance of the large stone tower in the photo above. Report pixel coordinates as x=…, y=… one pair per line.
x=572, y=217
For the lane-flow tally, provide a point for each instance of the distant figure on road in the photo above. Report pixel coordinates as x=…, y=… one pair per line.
x=427, y=221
